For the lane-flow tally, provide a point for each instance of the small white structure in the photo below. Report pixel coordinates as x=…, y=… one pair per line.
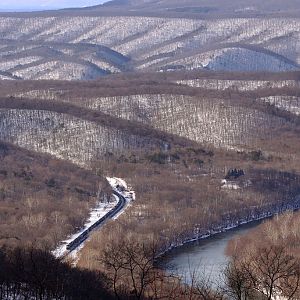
x=230, y=185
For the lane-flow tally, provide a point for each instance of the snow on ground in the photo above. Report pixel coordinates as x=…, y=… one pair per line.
x=119, y=185
x=96, y=213
x=229, y=185
x=279, y=298
x=240, y=85
x=288, y=103
x=3, y=77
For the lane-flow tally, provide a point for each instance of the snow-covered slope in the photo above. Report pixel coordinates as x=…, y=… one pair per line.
x=288, y=103
x=237, y=60
x=240, y=85
x=83, y=46
x=52, y=60
x=205, y=120
x=64, y=136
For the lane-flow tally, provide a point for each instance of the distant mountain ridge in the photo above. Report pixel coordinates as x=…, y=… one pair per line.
x=150, y=35
x=208, y=6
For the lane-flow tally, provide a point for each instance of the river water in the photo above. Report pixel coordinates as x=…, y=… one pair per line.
x=204, y=258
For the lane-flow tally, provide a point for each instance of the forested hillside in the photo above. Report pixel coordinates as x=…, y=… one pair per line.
x=185, y=113
x=42, y=198
x=142, y=130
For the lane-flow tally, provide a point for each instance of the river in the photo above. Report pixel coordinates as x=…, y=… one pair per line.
x=205, y=258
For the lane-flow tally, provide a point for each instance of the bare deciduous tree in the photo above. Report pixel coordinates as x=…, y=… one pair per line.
x=130, y=263
x=270, y=272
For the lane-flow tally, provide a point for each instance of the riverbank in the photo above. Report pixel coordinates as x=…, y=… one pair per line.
x=279, y=209
x=204, y=257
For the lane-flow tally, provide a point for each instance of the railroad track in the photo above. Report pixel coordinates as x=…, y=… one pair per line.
x=86, y=233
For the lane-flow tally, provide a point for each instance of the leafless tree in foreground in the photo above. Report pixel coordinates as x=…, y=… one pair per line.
x=130, y=264
x=270, y=272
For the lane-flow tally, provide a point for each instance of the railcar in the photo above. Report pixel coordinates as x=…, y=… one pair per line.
x=84, y=235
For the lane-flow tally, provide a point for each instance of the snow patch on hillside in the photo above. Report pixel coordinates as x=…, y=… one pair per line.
x=119, y=185
x=59, y=70
x=239, y=59
x=236, y=59
x=3, y=77
x=239, y=85
x=288, y=103
x=7, y=63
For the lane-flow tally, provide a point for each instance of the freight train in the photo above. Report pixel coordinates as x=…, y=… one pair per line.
x=85, y=234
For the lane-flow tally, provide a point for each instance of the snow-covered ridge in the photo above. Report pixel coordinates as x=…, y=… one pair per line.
x=288, y=103
x=43, y=94
x=58, y=70
x=235, y=59
x=226, y=59
x=64, y=136
x=6, y=63
x=151, y=42
x=240, y=85
x=3, y=77
x=199, y=121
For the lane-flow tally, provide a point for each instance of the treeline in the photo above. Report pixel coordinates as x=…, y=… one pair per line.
x=131, y=273
x=141, y=83
x=36, y=274
x=263, y=272
x=280, y=231
x=267, y=259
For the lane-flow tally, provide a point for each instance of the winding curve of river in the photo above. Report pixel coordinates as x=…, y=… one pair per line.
x=205, y=258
